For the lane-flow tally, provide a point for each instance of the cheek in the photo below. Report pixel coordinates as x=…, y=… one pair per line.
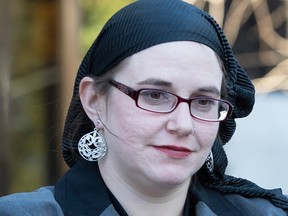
x=129, y=127
x=128, y=134
x=129, y=123
x=206, y=134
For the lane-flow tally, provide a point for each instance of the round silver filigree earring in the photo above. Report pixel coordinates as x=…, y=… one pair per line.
x=92, y=146
x=210, y=162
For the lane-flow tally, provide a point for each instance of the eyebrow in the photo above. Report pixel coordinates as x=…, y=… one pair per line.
x=210, y=89
x=153, y=81
x=159, y=82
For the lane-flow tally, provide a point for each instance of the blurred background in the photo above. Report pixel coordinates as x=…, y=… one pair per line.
x=43, y=41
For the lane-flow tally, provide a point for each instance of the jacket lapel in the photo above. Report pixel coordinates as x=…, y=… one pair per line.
x=81, y=191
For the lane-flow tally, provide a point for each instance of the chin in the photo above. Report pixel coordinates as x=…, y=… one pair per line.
x=173, y=179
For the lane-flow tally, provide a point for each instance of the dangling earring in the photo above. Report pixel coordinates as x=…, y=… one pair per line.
x=92, y=146
x=210, y=162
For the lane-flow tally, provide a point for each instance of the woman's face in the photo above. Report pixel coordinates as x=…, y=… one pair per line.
x=146, y=148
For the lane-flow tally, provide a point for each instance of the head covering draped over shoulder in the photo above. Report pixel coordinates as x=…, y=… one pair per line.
x=146, y=23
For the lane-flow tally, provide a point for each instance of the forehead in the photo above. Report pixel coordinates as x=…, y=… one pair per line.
x=177, y=62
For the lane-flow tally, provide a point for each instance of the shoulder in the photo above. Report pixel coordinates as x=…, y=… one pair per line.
x=39, y=202
x=254, y=206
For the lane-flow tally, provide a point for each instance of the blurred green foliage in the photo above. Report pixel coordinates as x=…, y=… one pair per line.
x=94, y=14
x=35, y=48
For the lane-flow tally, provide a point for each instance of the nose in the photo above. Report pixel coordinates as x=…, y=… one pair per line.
x=180, y=121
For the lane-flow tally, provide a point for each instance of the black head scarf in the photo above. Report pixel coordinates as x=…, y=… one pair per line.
x=146, y=23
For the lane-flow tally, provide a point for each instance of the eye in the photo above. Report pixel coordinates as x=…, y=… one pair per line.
x=204, y=104
x=155, y=97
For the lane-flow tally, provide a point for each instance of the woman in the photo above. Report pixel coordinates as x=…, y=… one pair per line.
x=155, y=100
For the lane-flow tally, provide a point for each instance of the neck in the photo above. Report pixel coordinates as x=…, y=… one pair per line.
x=154, y=200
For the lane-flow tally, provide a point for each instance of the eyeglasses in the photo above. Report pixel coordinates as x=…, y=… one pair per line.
x=159, y=101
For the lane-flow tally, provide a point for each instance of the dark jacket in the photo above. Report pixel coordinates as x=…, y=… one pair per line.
x=82, y=191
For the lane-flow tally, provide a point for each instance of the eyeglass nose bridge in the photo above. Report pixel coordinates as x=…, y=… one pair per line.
x=182, y=100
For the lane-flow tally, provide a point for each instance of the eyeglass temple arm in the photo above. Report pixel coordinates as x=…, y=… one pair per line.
x=125, y=89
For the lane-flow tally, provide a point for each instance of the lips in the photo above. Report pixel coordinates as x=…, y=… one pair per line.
x=174, y=151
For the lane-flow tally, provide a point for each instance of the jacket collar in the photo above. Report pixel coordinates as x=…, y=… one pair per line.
x=213, y=201
x=82, y=191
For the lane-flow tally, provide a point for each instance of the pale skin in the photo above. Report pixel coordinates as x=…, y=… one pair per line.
x=144, y=177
